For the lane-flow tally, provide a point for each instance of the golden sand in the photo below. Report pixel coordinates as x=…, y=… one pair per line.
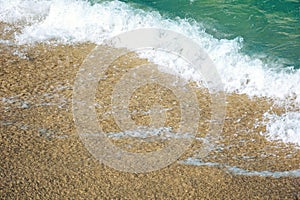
x=44, y=158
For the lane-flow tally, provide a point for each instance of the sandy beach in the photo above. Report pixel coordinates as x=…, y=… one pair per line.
x=43, y=157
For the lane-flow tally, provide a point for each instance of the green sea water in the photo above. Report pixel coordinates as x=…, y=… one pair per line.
x=270, y=28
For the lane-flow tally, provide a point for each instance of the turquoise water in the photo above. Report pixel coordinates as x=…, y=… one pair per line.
x=270, y=28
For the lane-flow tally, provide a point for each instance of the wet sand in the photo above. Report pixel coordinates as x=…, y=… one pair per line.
x=44, y=158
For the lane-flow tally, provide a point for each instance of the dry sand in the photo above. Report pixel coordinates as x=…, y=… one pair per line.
x=43, y=157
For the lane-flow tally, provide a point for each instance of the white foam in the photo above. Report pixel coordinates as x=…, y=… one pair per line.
x=172, y=64
x=240, y=171
x=23, y=10
x=71, y=21
x=284, y=127
x=150, y=134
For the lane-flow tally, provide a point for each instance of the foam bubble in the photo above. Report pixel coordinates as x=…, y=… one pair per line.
x=283, y=127
x=23, y=10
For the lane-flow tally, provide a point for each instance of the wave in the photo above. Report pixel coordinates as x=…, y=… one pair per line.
x=71, y=21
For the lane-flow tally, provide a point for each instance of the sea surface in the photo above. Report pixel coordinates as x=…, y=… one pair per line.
x=255, y=45
x=269, y=28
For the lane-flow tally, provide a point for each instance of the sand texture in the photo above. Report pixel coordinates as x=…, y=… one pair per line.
x=42, y=156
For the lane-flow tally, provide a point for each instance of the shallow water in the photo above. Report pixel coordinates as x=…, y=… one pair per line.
x=252, y=44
